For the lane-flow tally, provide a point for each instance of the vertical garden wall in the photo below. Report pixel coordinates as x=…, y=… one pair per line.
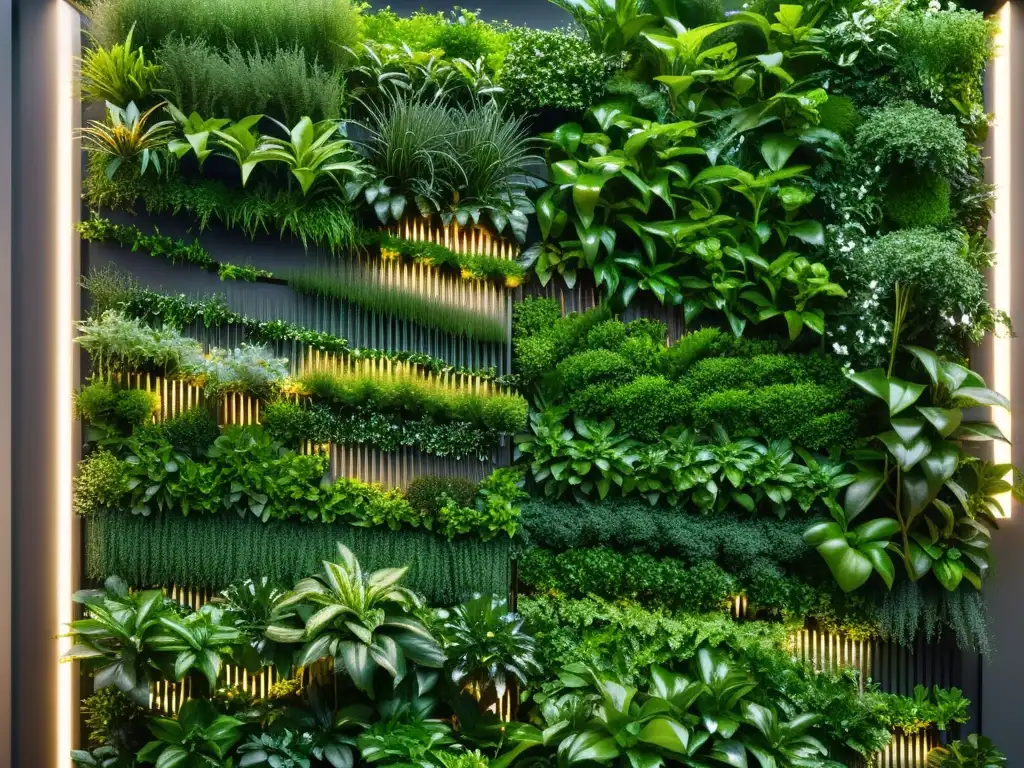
x=461, y=393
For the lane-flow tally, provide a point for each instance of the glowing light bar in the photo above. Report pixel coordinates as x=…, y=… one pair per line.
x=1002, y=228
x=66, y=33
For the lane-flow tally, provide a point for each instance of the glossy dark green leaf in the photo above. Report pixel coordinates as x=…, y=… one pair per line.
x=862, y=491
x=907, y=455
x=777, y=148
x=945, y=420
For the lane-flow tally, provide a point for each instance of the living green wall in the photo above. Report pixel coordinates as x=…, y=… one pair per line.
x=709, y=285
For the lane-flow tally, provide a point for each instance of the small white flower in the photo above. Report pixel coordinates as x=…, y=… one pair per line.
x=873, y=284
x=842, y=327
x=952, y=320
x=966, y=319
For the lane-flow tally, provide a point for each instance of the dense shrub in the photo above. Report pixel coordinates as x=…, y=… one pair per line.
x=629, y=525
x=678, y=358
x=607, y=574
x=839, y=114
x=552, y=69
x=949, y=293
x=104, y=402
x=192, y=432
x=943, y=54
x=101, y=479
x=626, y=636
x=918, y=200
x=647, y=406
x=410, y=396
x=318, y=27
x=462, y=36
x=592, y=367
x=428, y=493
x=910, y=134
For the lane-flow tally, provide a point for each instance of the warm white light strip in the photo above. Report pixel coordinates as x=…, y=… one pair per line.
x=66, y=28
x=1002, y=277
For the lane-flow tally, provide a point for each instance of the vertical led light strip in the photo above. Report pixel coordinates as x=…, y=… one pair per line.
x=66, y=28
x=1002, y=230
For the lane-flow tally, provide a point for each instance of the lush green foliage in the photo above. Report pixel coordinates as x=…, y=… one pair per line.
x=111, y=289
x=219, y=550
x=119, y=75
x=407, y=395
x=487, y=648
x=175, y=250
x=127, y=137
x=245, y=471
x=318, y=27
x=552, y=70
x=462, y=164
x=711, y=473
x=942, y=498
x=800, y=187
x=463, y=36
x=281, y=83
x=323, y=220
x=357, y=285
x=428, y=493
x=470, y=265
x=362, y=622
x=907, y=134
x=976, y=752
x=950, y=306
x=294, y=425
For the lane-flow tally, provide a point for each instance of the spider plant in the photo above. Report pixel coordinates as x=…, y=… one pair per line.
x=494, y=150
x=126, y=134
x=119, y=75
x=411, y=153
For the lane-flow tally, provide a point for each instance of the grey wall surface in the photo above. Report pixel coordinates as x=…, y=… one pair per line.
x=1001, y=706
x=29, y=37
x=6, y=115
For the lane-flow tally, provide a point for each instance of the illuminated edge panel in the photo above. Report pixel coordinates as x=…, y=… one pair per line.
x=66, y=35
x=1002, y=230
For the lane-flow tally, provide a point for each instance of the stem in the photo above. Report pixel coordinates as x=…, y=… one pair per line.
x=903, y=526
x=902, y=306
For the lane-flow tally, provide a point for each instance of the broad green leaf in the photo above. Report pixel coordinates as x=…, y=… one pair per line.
x=981, y=396
x=586, y=193
x=850, y=567
x=907, y=455
x=795, y=323
x=928, y=359
x=568, y=137
x=979, y=431
x=949, y=573
x=882, y=529
x=731, y=752
x=862, y=491
x=908, y=429
x=945, y=420
x=880, y=560
x=777, y=148
x=667, y=734
x=819, y=533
